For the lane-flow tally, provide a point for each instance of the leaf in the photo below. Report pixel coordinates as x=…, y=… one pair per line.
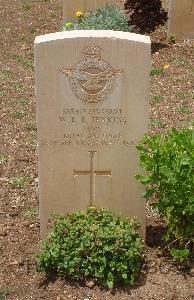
x=148, y=193
x=184, y=159
x=124, y=276
x=110, y=284
x=144, y=179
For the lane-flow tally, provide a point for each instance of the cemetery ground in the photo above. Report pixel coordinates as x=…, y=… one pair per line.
x=171, y=106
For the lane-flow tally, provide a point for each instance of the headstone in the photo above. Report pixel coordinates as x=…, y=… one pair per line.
x=70, y=7
x=181, y=19
x=92, y=90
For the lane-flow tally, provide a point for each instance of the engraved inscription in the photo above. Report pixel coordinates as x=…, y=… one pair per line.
x=91, y=127
x=92, y=173
x=92, y=80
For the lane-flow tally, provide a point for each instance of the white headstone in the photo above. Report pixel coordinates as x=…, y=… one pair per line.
x=181, y=19
x=92, y=90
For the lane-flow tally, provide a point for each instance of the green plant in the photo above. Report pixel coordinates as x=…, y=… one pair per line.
x=184, y=109
x=157, y=98
x=157, y=72
x=25, y=4
x=172, y=38
x=158, y=123
x=2, y=93
x=180, y=61
x=184, y=95
x=169, y=163
x=105, y=18
x=4, y=291
x=3, y=158
x=23, y=101
x=32, y=140
x=26, y=63
x=31, y=126
x=18, y=115
x=95, y=244
x=21, y=182
x=31, y=212
x=17, y=57
x=180, y=255
x=145, y=15
x=18, y=86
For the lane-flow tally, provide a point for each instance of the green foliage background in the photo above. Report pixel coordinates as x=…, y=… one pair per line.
x=169, y=163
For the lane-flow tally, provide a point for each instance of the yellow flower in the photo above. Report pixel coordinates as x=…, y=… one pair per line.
x=68, y=24
x=166, y=66
x=93, y=207
x=79, y=14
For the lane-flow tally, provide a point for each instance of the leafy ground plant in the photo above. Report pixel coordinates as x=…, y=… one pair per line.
x=21, y=182
x=95, y=244
x=3, y=158
x=31, y=213
x=169, y=163
x=4, y=292
x=105, y=18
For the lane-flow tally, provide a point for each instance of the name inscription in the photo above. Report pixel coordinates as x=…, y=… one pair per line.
x=90, y=127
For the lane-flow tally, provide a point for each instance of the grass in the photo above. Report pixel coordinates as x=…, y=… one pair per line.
x=2, y=93
x=184, y=110
x=3, y=158
x=6, y=72
x=157, y=72
x=18, y=86
x=31, y=141
x=157, y=98
x=185, y=95
x=31, y=126
x=23, y=101
x=16, y=57
x=21, y=182
x=188, y=124
x=180, y=62
x=26, y=63
x=25, y=4
x=18, y=114
x=32, y=30
x=158, y=123
x=172, y=38
x=31, y=213
x=4, y=291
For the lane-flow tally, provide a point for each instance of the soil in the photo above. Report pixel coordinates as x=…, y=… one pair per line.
x=21, y=21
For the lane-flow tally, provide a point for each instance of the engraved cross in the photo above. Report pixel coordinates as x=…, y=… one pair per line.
x=92, y=173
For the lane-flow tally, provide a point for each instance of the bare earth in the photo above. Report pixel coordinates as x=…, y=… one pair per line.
x=21, y=21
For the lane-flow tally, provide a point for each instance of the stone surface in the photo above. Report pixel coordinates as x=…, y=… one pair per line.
x=70, y=7
x=92, y=90
x=181, y=19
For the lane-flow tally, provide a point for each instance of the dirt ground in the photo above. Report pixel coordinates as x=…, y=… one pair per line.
x=171, y=105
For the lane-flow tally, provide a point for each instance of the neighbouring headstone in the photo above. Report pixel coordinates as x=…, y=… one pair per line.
x=92, y=90
x=181, y=19
x=70, y=7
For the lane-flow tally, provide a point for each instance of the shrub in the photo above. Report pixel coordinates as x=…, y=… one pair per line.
x=169, y=163
x=145, y=15
x=95, y=244
x=105, y=18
